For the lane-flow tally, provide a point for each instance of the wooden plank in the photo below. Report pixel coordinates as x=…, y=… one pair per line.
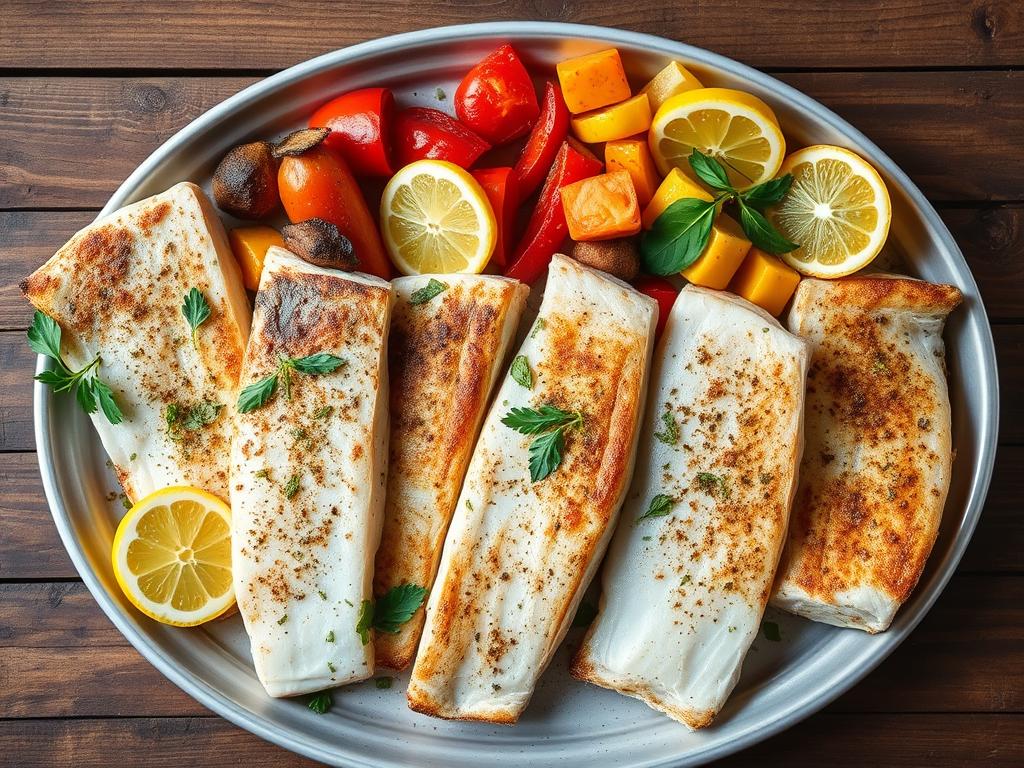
x=29, y=545
x=865, y=33
x=961, y=145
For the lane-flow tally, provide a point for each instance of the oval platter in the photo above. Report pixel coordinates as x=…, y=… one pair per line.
x=568, y=723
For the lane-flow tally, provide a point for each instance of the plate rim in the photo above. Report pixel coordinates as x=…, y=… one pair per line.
x=800, y=708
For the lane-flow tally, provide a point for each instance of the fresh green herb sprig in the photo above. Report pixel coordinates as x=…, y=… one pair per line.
x=196, y=311
x=90, y=392
x=321, y=702
x=260, y=392
x=521, y=373
x=434, y=287
x=549, y=424
x=390, y=611
x=660, y=506
x=682, y=231
x=670, y=435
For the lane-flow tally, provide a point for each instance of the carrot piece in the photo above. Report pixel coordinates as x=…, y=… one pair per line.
x=601, y=207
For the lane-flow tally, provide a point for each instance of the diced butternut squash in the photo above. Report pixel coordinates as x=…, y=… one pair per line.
x=764, y=280
x=250, y=244
x=722, y=256
x=601, y=207
x=627, y=118
x=675, y=186
x=671, y=81
x=633, y=157
x=593, y=81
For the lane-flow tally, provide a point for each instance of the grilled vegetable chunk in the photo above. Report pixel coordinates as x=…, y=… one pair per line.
x=875, y=474
x=691, y=566
x=116, y=289
x=445, y=355
x=308, y=473
x=520, y=552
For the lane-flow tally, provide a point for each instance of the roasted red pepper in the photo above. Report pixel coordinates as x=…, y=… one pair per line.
x=422, y=132
x=360, y=124
x=500, y=186
x=547, y=228
x=546, y=137
x=663, y=292
x=496, y=98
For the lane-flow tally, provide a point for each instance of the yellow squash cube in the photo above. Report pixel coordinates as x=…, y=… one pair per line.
x=593, y=81
x=250, y=245
x=671, y=81
x=675, y=186
x=764, y=280
x=627, y=118
x=633, y=157
x=722, y=256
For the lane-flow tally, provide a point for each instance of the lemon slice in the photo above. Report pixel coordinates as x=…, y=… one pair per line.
x=736, y=128
x=172, y=556
x=436, y=218
x=837, y=210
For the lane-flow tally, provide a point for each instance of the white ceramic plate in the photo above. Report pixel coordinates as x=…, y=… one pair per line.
x=568, y=723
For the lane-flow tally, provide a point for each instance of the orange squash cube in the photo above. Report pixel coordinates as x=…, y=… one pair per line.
x=250, y=245
x=634, y=157
x=593, y=81
x=627, y=118
x=601, y=207
x=671, y=81
x=764, y=280
x=675, y=186
x=721, y=257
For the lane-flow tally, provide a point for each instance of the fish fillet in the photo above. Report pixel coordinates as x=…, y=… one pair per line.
x=308, y=476
x=684, y=592
x=116, y=289
x=876, y=470
x=519, y=554
x=445, y=355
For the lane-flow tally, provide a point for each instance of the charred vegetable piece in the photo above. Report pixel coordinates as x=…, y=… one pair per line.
x=619, y=258
x=298, y=142
x=245, y=182
x=320, y=242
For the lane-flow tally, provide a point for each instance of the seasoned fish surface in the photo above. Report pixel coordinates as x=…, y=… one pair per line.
x=876, y=470
x=519, y=554
x=308, y=476
x=684, y=592
x=116, y=289
x=445, y=355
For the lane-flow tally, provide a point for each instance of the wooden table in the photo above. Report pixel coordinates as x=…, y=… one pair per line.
x=89, y=89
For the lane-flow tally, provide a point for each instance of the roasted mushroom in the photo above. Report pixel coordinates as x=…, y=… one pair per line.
x=245, y=182
x=297, y=142
x=321, y=243
x=616, y=257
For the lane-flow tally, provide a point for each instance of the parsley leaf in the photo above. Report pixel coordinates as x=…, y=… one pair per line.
x=549, y=423
x=321, y=702
x=427, y=292
x=546, y=454
x=660, y=506
x=260, y=392
x=364, y=621
x=44, y=337
x=710, y=171
x=761, y=233
x=521, y=373
x=397, y=606
x=678, y=237
x=712, y=484
x=196, y=311
x=671, y=434
x=257, y=394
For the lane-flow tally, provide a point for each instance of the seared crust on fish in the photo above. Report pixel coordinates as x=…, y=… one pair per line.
x=876, y=470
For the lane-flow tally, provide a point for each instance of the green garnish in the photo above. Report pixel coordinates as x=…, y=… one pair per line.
x=364, y=621
x=382, y=683
x=660, y=506
x=439, y=94
x=521, y=373
x=263, y=474
x=321, y=702
x=549, y=424
x=282, y=620
x=133, y=457
x=670, y=435
x=196, y=417
x=539, y=326
x=322, y=413
x=469, y=505
x=330, y=666
x=330, y=636
x=125, y=501
x=291, y=487
x=713, y=484
x=771, y=631
x=323, y=596
x=390, y=611
x=259, y=393
x=90, y=391
x=196, y=311
x=428, y=291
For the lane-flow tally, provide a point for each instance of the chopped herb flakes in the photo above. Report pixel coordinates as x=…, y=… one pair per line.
x=382, y=683
x=323, y=596
x=433, y=288
x=331, y=667
x=282, y=620
x=712, y=484
x=670, y=435
x=321, y=702
x=538, y=326
x=521, y=373
x=291, y=487
x=330, y=636
x=323, y=413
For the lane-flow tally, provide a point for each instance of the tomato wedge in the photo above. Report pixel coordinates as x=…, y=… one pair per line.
x=546, y=137
x=360, y=124
x=496, y=98
x=500, y=186
x=422, y=132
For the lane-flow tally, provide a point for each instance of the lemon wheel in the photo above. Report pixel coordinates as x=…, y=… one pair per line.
x=736, y=128
x=172, y=556
x=436, y=219
x=837, y=209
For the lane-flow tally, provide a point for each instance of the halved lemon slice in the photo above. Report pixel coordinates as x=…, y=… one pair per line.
x=736, y=128
x=837, y=210
x=172, y=556
x=436, y=218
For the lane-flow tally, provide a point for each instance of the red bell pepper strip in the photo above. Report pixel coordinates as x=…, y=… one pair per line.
x=500, y=186
x=422, y=132
x=546, y=137
x=548, y=228
x=496, y=98
x=663, y=292
x=360, y=124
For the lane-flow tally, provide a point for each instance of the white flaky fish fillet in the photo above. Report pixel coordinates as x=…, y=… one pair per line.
x=308, y=475
x=684, y=589
x=445, y=355
x=519, y=554
x=116, y=289
x=876, y=469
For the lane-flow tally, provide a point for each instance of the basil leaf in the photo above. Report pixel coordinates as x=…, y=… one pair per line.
x=521, y=373
x=257, y=394
x=427, y=292
x=321, y=362
x=105, y=397
x=678, y=237
x=660, y=506
x=761, y=233
x=44, y=337
x=768, y=193
x=546, y=453
x=710, y=171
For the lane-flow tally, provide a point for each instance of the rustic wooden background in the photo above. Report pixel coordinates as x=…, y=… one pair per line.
x=89, y=89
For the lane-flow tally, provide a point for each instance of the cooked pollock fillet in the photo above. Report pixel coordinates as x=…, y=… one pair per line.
x=683, y=594
x=116, y=289
x=444, y=357
x=519, y=555
x=308, y=476
x=876, y=470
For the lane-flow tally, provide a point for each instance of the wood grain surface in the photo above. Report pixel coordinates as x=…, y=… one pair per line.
x=85, y=96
